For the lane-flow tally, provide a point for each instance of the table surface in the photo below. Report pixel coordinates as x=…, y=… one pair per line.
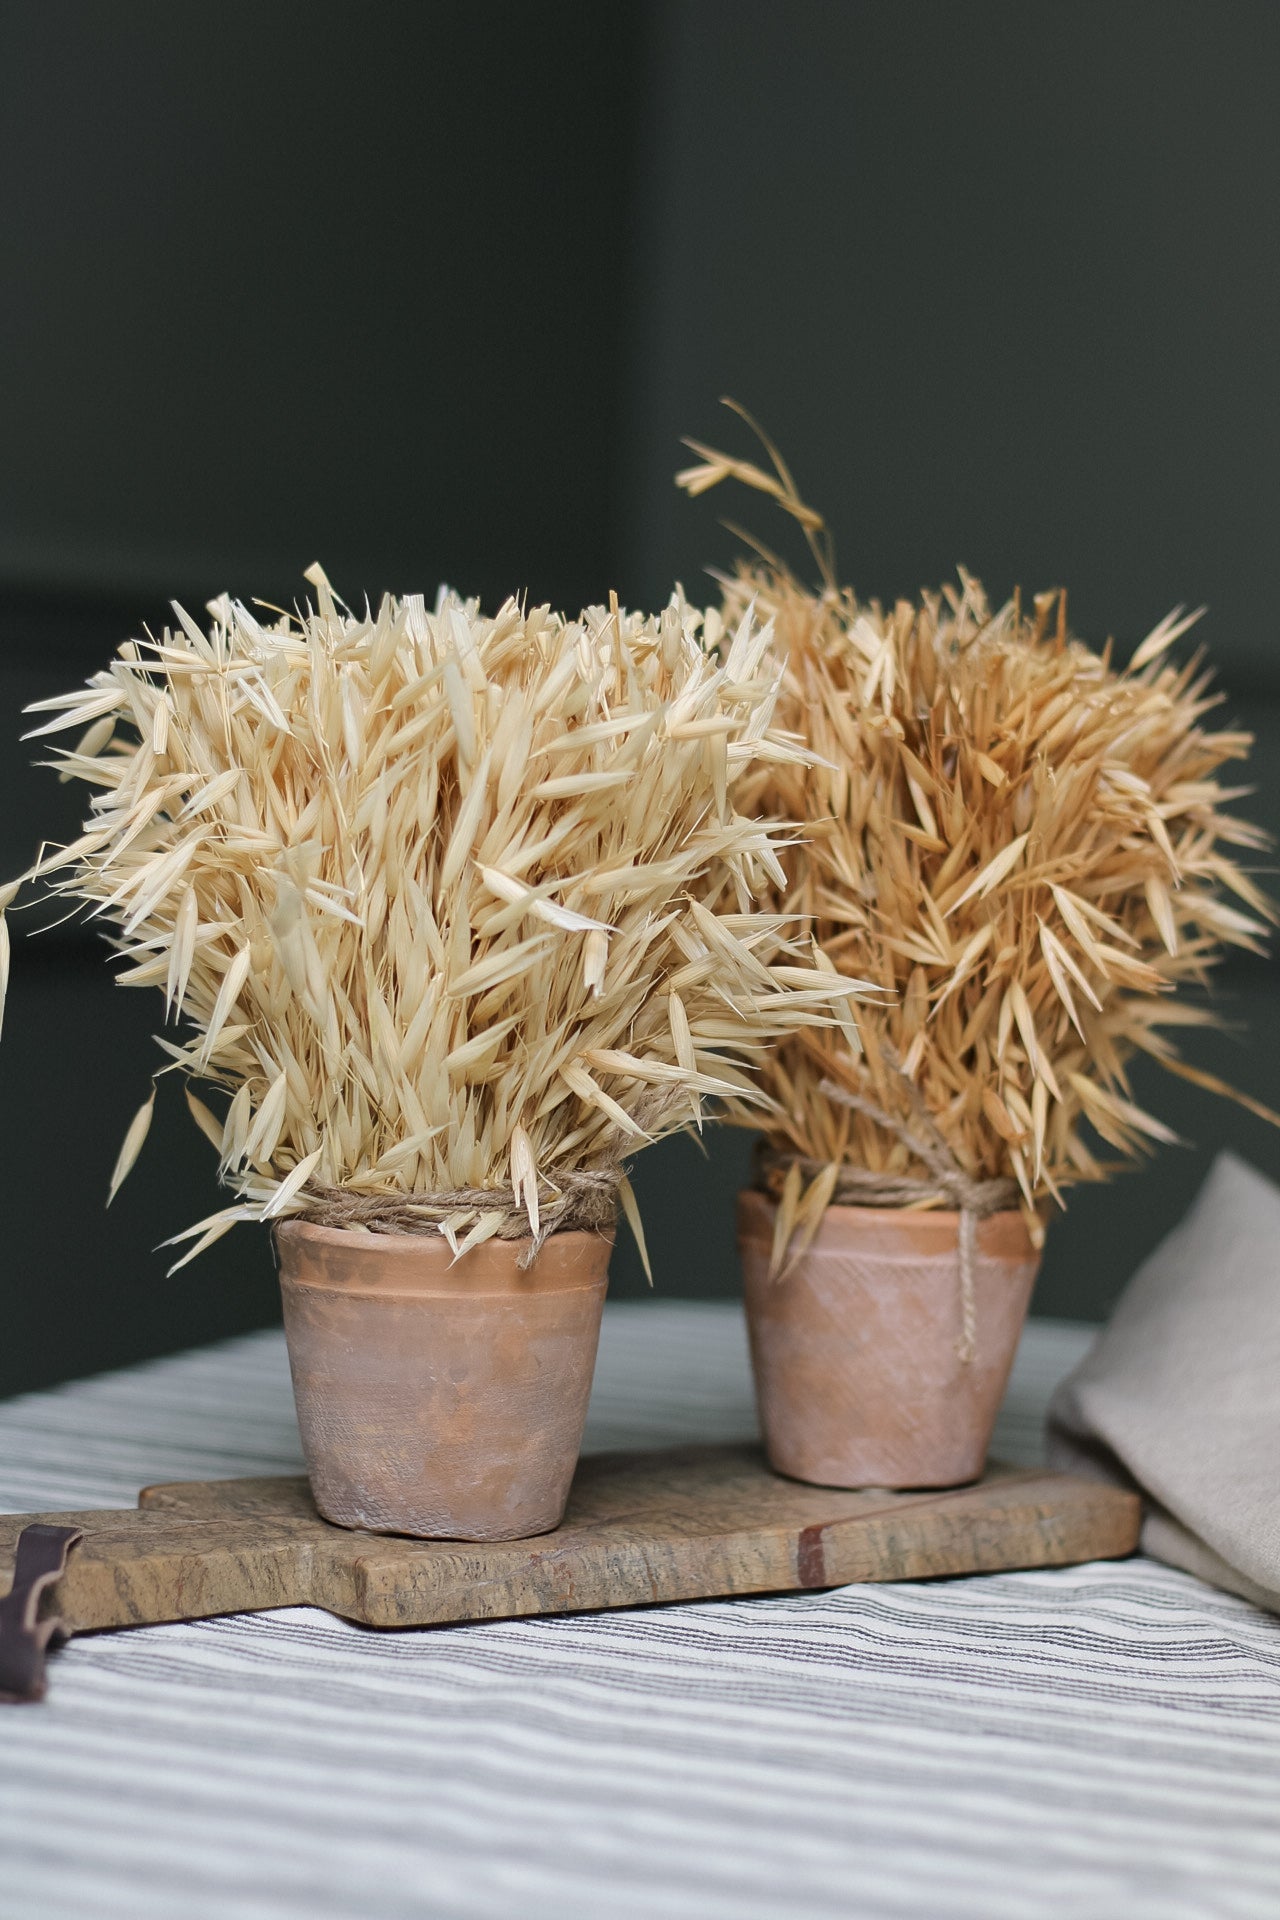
x=1089, y=1742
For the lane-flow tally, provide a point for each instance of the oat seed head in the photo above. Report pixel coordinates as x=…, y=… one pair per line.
x=437, y=900
x=1029, y=851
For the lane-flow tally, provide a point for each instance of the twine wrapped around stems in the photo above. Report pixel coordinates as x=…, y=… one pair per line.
x=947, y=1182
x=582, y=1201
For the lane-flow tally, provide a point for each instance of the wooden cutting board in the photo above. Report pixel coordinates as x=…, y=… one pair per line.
x=690, y=1524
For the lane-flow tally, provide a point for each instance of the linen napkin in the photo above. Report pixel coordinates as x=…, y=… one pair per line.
x=1180, y=1394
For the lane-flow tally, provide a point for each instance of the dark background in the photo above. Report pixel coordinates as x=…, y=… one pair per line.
x=431, y=291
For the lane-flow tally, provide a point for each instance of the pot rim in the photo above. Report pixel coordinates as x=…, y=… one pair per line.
x=940, y=1225
x=422, y=1266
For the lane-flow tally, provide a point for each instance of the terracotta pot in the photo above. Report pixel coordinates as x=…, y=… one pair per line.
x=858, y=1378
x=441, y=1398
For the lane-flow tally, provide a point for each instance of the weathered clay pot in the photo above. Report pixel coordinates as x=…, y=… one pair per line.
x=858, y=1378
x=441, y=1398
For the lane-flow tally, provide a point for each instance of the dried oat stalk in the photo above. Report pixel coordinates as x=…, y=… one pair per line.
x=453, y=911
x=1027, y=850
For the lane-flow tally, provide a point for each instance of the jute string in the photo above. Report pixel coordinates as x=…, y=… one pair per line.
x=584, y=1201
x=947, y=1181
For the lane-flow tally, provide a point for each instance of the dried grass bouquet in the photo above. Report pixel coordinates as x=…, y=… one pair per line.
x=1027, y=849
x=456, y=909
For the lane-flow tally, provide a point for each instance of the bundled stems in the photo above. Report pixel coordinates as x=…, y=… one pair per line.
x=1027, y=850
x=449, y=911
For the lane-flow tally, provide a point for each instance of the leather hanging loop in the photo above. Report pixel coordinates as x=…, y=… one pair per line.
x=40, y=1559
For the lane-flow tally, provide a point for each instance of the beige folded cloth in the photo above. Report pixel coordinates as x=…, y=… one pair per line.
x=1179, y=1396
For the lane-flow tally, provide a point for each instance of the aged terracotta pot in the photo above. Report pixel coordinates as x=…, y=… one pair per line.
x=441, y=1398
x=858, y=1378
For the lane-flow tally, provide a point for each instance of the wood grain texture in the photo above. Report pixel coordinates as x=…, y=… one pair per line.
x=692, y=1523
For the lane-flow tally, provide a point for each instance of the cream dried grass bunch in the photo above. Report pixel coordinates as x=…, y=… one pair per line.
x=1025, y=848
x=457, y=909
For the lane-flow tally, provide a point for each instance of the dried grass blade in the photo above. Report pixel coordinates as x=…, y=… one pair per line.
x=630, y=1207
x=131, y=1146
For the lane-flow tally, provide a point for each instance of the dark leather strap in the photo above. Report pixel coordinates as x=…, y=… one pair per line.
x=40, y=1559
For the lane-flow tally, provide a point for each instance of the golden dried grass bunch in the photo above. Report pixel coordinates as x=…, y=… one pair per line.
x=1025, y=848
x=458, y=909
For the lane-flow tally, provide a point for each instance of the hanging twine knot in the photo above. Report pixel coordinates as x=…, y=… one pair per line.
x=947, y=1182
x=583, y=1201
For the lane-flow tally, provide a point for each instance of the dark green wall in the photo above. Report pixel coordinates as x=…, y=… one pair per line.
x=431, y=291
x=1003, y=280
x=292, y=279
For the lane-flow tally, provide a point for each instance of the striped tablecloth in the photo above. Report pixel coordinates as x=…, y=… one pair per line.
x=1101, y=1741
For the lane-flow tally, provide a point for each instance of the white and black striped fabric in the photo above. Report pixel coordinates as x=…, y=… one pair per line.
x=1095, y=1742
